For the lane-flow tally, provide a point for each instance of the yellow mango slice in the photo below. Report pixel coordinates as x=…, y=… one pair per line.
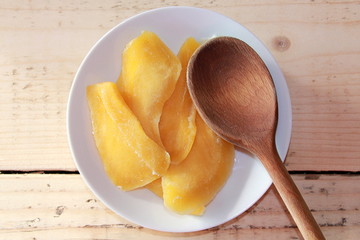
x=189, y=186
x=177, y=122
x=155, y=187
x=131, y=159
x=148, y=77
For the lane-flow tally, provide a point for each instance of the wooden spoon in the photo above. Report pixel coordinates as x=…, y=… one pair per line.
x=234, y=93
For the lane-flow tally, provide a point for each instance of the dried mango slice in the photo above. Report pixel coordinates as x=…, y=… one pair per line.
x=131, y=159
x=155, y=187
x=189, y=186
x=177, y=122
x=148, y=77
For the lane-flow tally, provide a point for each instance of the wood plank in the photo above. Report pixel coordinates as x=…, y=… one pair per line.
x=37, y=206
x=315, y=43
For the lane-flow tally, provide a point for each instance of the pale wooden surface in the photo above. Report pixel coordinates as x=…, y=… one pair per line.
x=42, y=44
x=39, y=206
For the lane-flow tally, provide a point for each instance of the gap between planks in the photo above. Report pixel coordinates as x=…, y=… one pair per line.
x=77, y=172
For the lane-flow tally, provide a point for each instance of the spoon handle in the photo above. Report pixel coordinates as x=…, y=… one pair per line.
x=291, y=196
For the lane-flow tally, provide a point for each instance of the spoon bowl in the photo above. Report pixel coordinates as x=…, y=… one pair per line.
x=234, y=93
x=229, y=104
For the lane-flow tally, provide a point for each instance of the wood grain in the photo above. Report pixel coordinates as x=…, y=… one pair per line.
x=315, y=43
x=37, y=206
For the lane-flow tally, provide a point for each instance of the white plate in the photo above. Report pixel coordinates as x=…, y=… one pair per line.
x=249, y=180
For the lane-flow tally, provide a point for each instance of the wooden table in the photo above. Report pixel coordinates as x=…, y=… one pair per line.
x=42, y=43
